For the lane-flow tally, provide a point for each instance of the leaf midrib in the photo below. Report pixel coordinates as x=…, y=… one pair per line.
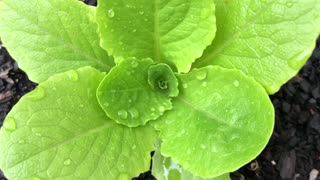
x=156, y=32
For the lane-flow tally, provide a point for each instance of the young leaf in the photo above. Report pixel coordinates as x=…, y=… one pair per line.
x=48, y=37
x=171, y=31
x=164, y=168
x=222, y=119
x=59, y=131
x=269, y=40
x=134, y=92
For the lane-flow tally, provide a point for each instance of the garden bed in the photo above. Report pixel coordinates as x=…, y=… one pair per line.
x=293, y=152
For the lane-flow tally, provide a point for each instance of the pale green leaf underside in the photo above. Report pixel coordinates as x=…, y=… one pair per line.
x=48, y=37
x=164, y=168
x=127, y=97
x=222, y=119
x=171, y=31
x=269, y=40
x=59, y=131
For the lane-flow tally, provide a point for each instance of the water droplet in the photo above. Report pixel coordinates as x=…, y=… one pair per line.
x=133, y=113
x=141, y=12
x=203, y=146
x=123, y=114
x=201, y=75
x=37, y=94
x=204, y=84
x=289, y=4
x=161, y=108
x=214, y=149
x=236, y=83
x=298, y=60
x=185, y=85
x=134, y=30
x=9, y=124
x=111, y=13
x=134, y=63
x=67, y=162
x=189, y=151
x=152, y=109
x=73, y=75
x=134, y=147
x=106, y=104
x=186, y=165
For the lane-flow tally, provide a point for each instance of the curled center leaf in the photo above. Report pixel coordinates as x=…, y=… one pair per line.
x=136, y=91
x=162, y=79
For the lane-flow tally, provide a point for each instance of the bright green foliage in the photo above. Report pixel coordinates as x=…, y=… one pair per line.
x=164, y=168
x=128, y=98
x=51, y=36
x=92, y=123
x=219, y=116
x=172, y=31
x=269, y=40
x=67, y=135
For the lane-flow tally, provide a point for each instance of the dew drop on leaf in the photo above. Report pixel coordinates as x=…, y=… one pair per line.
x=201, y=75
x=161, y=108
x=133, y=113
x=134, y=63
x=133, y=147
x=9, y=124
x=204, y=84
x=73, y=75
x=123, y=114
x=37, y=94
x=134, y=30
x=111, y=13
x=289, y=4
x=236, y=83
x=141, y=12
x=203, y=146
x=67, y=162
x=185, y=85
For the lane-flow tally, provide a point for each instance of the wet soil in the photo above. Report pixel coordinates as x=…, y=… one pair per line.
x=293, y=152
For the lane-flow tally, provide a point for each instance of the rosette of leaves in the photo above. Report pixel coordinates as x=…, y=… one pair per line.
x=187, y=79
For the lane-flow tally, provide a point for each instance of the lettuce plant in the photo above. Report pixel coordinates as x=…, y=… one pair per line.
x=188, y=79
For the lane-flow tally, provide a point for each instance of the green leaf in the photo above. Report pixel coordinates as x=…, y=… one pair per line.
x=59, y=131
x=222, y=119
x=269, y=40
x=133, y=92
x=164, y=168
x=171, y=31
x=48, y=37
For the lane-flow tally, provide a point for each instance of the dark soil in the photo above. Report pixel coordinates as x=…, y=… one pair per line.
x=293, y=151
